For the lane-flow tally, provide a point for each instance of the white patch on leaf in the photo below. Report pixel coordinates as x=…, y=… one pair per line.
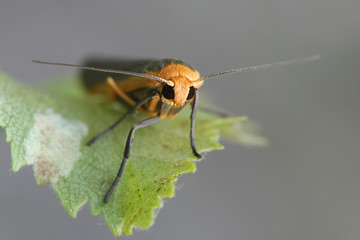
x=53, y=145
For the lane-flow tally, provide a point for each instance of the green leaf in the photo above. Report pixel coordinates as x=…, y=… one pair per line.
x=48, y=128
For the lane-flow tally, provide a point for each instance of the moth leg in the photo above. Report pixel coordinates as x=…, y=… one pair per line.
x=129, y=142
x=214, y=112
x=194, y=107
x=130, y=112
x=110, y=81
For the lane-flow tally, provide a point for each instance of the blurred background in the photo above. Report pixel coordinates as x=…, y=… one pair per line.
x=304, y=185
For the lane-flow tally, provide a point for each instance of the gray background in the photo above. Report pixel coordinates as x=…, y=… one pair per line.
x=305, y=185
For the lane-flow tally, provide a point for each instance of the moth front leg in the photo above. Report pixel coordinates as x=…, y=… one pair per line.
x=194, y=107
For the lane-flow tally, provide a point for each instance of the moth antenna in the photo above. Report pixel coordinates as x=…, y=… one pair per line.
x=260, y=67
x=168, y=82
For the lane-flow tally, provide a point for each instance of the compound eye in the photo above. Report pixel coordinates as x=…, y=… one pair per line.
x=168, y=92
x=191, y=93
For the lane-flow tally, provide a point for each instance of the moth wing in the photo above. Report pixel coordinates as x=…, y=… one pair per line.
x=95, y=81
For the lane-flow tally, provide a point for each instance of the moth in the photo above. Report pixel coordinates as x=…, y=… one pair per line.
x=159, y=88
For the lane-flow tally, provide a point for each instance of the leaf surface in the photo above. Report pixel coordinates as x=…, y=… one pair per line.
x=48, y=128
